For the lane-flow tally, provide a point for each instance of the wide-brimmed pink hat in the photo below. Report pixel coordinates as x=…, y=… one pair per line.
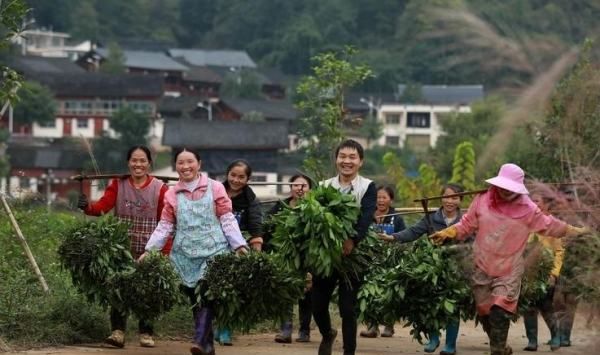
x=510, y=177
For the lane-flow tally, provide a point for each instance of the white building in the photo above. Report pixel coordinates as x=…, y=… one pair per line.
x=417, y=125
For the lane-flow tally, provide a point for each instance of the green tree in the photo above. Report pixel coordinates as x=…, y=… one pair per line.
x=463, y=166
x=115, y=62
x=412, y=94
x=132, y=127
x=371, y=129
x=321, y=103
x=241, y=83
x=84, y=19
x=36, y=104
x=476, y=127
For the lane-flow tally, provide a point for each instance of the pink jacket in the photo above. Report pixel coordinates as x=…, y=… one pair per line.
x=223, y=211
x=502, y=233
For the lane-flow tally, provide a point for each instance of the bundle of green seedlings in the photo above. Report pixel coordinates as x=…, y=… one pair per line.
x=539, y=262
x=93, y=251
x=249, y=289
x=309, y=236
x=148, y=290
x=422, y=289
x=580, y=273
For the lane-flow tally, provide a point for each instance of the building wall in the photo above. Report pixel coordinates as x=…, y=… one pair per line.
x=396, y=131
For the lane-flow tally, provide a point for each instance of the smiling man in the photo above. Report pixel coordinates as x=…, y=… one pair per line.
x=349, y=158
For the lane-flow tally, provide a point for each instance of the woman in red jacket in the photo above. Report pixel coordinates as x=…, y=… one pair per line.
x=137, y=200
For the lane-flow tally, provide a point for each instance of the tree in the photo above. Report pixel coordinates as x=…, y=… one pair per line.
x=36, y=104
x=241, y=83
x=412, y=94
x=115, y=62
x=321, y=103
x=463, y=166
x=371, y=129
x=132, y=127
x=476, y=127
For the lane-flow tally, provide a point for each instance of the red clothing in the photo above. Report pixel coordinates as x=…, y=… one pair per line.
x=109, y=199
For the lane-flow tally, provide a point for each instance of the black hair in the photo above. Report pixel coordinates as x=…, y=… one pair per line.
x=388, y=189
x=457, y=188
x=352, y=144
x=143, y=148
x=240, y=162
x=185, y=149
x=310, y=182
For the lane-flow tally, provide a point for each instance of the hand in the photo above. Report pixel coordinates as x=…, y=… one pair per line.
x=347, y=247
x=385, y=237
x=573, y=231
x=439, y=237
x=308, y=282
x=82, y=202
x=141, y=258
x=241, y=251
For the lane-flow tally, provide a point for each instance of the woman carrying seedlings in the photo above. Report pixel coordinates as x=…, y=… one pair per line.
x=299, y=185
x=445, y=216
x=138, y=201
x=247, y=213
x=199, y=212
x=545, y=306
x=502, y=217
x=385, y=221
x=349, y=157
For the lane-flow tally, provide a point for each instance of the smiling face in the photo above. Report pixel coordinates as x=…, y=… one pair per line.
x=237, y=178
x=187, y=166
x=450, y=204
x=348, y=162
x=384, y=201
x=298, y=188
x=138, y=163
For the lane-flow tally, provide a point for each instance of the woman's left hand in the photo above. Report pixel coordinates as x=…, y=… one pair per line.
x=385, y=237
x=241, y=251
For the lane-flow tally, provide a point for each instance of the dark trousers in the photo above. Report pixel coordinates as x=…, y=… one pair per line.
x=203, y=317
x=321, y=296
x=546, y=308
x=118, y=321
x=305, y=312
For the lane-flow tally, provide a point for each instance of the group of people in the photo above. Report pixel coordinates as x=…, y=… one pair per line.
x=200, y=217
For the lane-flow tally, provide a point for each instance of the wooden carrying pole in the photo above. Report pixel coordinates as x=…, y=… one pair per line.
x=163, y=178
x=15, y=226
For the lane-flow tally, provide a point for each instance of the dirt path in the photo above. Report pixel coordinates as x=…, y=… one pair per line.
x=471, y=341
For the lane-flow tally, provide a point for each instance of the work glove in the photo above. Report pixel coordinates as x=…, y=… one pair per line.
x=573, y=231
x=82, y=202
x=439, y=237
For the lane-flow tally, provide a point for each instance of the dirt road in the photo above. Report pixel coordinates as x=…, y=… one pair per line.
x=471, y=341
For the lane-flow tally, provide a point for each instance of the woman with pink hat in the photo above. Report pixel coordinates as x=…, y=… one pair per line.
x=502, y=219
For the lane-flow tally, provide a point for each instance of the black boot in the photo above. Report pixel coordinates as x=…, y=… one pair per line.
x=531, y=330
x=499, y=324
x=326, y=346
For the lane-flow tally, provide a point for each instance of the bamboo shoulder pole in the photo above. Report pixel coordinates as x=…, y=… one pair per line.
x=15, y=226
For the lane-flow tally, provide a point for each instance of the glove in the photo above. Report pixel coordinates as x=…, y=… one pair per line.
x=573, y=231
x=82, y=202
x=439, y=237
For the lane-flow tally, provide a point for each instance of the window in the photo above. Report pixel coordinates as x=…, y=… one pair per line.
x=82, y=123
x=49, y=124
x=418, y=143
x=259, y=178
x=24, y=183
x=392, y=118
x=418, y=119
x=392, y=140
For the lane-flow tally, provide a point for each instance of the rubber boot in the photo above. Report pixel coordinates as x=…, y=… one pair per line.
x=451, y=336
x=203, y=334
x=531, y=330
x=225, y=337
x=372, y=332
x=499, y=324
x=432, y=345
x=326, y=346
x=285, y=334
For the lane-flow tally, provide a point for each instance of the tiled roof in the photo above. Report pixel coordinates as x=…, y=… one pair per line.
x=33, y=65
x=270, y=109
x=222, y=58
x=202, y=134
x=448, y=94
x=147, y=60
x=103, y=85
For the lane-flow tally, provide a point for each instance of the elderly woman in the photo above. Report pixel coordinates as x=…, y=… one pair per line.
x=502, y=218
